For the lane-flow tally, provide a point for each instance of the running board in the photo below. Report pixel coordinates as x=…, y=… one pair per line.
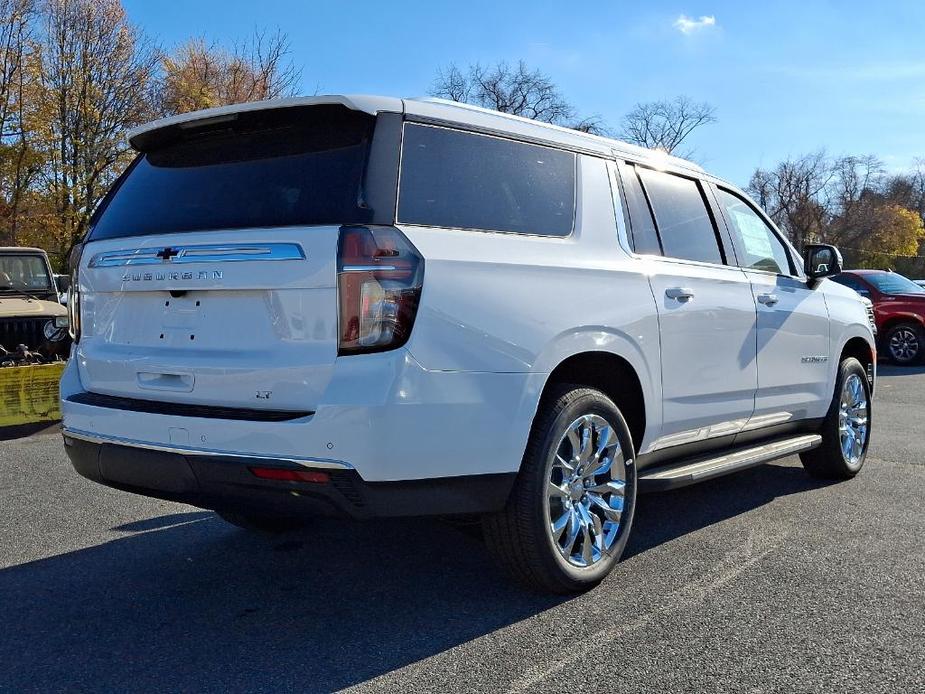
x=679, y=475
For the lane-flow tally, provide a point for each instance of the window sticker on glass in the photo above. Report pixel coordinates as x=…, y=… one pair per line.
x=754, y=234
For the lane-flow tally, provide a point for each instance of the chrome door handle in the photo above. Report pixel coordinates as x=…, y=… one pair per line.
x=768, y=299
x=679, y=293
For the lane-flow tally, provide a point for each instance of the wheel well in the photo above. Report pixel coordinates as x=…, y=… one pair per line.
x=897, y=321
x=858, y=348
x=613, y=376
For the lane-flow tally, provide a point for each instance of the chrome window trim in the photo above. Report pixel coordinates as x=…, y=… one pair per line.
x=202, y=253
x=90, y=437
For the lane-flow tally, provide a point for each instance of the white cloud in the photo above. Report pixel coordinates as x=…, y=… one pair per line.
x=688, y=25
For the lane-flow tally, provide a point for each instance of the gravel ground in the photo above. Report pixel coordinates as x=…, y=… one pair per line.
x=763, y=581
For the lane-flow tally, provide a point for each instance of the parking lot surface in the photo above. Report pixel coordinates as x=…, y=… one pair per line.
x=763, y=581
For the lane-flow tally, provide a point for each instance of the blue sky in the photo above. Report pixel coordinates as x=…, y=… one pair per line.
x=785, y=77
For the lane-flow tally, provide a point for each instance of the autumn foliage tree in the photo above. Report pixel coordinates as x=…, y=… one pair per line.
x=201, y=75
x=18, y=165
x=75, y=75
x=875, y=219
x=93, y=68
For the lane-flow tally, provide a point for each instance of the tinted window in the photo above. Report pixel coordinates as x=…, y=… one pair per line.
x=466, y=181
x=638, y=215
x=684, y=224
x=284, y=168
x=757, y=246
x=19, y=272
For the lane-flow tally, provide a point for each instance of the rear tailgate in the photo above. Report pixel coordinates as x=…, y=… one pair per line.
x=209, y=277
x=241, y=318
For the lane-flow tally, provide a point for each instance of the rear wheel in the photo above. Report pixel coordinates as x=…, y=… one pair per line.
x=569, y=515
x=905, y=343
x=846, y=429
x=261, y=523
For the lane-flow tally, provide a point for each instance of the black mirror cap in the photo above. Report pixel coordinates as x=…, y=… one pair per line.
x=821, y=260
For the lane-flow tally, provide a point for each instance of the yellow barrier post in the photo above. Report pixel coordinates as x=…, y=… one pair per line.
x=29, y=394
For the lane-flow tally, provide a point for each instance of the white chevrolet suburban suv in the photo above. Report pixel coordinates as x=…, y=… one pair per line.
x=374, y=307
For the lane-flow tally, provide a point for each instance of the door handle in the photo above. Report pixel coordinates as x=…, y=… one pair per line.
x=768, y=299
x=679, y=293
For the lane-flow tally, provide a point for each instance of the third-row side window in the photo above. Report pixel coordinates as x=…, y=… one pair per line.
x=467, y=181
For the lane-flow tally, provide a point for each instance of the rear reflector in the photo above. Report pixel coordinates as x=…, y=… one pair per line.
x=289, y=475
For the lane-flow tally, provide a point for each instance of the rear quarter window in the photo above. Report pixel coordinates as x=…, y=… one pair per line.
x=467, y=181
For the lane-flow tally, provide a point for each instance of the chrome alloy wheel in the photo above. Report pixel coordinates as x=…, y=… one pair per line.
x=853, y=417
x=904, y=344
x=586, y=487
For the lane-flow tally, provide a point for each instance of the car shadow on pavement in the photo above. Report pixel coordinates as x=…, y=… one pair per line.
x=891, y=371
x=186, y=602
x=665, y=516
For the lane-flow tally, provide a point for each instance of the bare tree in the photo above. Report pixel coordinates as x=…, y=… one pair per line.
x=202, y=75
x=514, y=89
x=93, y=73
x=797, y=194
x=665, y=124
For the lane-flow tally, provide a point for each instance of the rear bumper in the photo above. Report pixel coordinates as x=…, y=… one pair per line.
x=383, y=415
x=211, y=480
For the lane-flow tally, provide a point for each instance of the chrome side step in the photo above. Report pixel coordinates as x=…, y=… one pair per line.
x=681, y=474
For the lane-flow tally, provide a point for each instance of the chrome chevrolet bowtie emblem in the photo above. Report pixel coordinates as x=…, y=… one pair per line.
x=168, y=253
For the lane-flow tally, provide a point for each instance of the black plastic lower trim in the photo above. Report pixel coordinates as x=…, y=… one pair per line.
x=228, y=484
x=172, y=408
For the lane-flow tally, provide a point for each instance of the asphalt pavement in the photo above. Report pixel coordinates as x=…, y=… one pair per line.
x=764, y=581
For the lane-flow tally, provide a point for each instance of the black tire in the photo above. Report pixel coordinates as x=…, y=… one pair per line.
x=904, y=344
x=261, y=523
x=828, y=461
x=519, y=536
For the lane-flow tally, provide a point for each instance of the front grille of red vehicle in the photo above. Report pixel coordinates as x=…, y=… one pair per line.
x=22, y=331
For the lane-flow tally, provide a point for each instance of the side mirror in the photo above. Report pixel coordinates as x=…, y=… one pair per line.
x=821, y=260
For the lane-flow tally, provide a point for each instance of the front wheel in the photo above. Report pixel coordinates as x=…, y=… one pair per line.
x=568, y=518
x=846, y=428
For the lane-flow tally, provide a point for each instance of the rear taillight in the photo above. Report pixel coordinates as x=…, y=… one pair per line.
x=379, y=280
x=73, y=293
x=73, y=308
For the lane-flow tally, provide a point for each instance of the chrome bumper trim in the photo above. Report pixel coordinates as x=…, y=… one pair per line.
x=90, y=437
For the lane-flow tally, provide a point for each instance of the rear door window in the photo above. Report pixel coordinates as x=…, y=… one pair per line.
x=463, y=180
x=277, y=168
x=684, y=223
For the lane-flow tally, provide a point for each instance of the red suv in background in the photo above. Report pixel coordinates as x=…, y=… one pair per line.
x=899, y=311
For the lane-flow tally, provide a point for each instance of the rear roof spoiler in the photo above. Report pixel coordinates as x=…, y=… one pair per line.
x=366, y=104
